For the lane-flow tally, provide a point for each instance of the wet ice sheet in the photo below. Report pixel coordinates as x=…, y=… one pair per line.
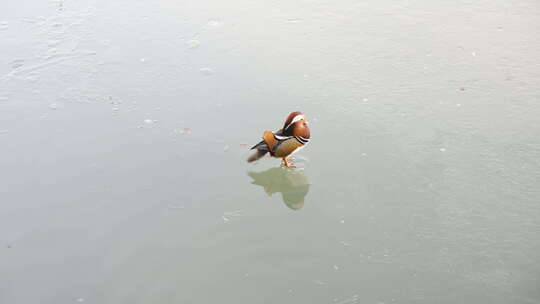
x=124, y=128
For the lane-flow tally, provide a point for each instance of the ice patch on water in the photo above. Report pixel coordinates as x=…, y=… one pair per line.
x=351, y=300
x=294, y=20
x=183, y=131
x=193, y=43
x=206, y=71
x=15, y=64
x=227, y=216
x=175, y=206
x=213, y=23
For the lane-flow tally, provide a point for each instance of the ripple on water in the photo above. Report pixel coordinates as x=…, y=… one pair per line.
x=4, y=25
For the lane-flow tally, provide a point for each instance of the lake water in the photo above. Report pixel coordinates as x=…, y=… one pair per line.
x=124, y=129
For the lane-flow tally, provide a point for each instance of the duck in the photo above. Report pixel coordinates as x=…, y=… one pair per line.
x=286, y=141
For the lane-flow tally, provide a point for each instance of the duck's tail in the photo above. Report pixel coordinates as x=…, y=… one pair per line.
x=257, y=155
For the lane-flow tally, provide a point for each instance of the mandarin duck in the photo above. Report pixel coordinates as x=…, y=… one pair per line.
x=292, y=137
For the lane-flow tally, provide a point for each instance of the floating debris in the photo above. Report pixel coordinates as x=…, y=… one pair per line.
x=243, y=145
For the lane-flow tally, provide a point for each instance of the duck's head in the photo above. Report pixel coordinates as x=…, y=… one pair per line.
x=296, y=125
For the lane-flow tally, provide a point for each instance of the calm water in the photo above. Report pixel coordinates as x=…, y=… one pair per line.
x=124, y=129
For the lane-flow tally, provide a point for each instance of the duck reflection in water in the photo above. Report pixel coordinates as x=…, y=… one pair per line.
x=292, y=184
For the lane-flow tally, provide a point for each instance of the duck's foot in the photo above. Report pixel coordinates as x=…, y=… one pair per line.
x=287, y=164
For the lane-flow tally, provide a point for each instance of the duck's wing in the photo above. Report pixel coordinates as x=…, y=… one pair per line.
x=260, y=146
x=287, y=145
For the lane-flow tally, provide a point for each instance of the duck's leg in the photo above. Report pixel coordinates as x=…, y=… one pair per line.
x=287, y=164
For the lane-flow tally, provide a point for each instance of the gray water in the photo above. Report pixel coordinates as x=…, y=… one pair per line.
x=124, y=129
